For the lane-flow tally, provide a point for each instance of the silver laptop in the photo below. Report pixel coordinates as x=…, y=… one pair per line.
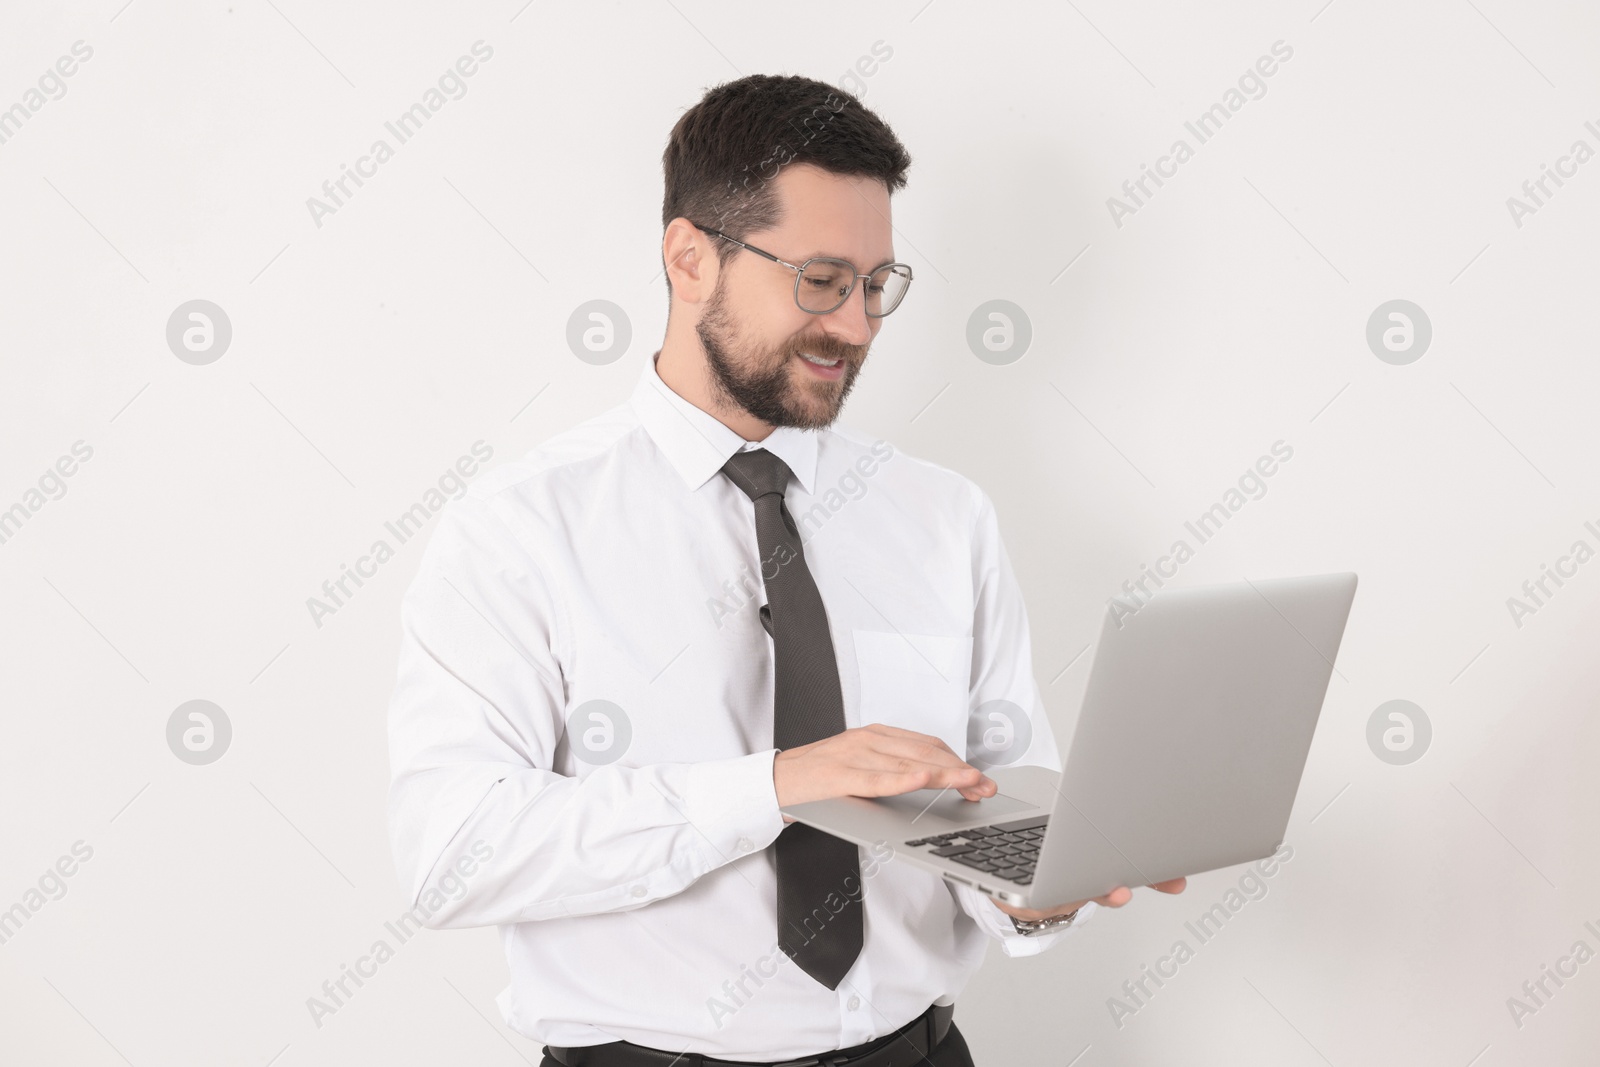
x=1187, y=755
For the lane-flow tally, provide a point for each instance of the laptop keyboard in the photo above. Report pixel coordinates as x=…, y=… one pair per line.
x=1006, y=850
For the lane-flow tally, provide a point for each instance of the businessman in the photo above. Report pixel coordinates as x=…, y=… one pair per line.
x=624, y=652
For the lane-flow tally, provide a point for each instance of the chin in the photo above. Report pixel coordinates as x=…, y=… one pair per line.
x=815, y=404
x=815, y=413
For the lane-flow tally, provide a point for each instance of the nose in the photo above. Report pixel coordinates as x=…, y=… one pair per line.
x=849, y=322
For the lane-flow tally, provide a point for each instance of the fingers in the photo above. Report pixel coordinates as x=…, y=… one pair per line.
x=908, y=744
x=894, y=740
x=1122, y=894
x=981, y=791
x=874, y=761
x=903, y=776
x=1116, y=898
x=1033, y=914
x=913, y=754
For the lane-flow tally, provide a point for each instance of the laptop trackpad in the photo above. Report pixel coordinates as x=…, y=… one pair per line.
x=936, y=814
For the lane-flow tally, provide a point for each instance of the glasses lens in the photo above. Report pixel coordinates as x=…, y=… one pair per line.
x=824, y=284
x=885, y=288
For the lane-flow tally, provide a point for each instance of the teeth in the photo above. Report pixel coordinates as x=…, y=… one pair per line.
x=819, y=362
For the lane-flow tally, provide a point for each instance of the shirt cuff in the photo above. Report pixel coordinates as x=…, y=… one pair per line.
x=999, y=926
x=733, y=803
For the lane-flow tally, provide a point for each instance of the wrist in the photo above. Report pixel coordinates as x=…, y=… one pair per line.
x=1037, y=927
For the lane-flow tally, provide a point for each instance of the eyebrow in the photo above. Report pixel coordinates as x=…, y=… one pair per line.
x=830, y=255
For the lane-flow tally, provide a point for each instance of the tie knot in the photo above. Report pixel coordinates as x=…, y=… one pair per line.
x=757, y=472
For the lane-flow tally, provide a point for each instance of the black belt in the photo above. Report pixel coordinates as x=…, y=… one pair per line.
x=922, y=1034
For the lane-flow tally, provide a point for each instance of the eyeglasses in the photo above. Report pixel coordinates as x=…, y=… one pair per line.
x=822, y=284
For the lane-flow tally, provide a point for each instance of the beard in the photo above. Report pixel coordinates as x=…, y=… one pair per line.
x=761, y=380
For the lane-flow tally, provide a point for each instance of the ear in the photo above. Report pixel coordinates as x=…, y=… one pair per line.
x=690, y=263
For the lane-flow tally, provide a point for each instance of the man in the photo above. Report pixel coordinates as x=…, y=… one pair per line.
x=623, y=653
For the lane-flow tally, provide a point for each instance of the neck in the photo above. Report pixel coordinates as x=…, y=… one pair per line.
x=683, y=368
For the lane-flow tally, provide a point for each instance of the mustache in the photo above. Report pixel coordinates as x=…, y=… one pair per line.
x=828, y=348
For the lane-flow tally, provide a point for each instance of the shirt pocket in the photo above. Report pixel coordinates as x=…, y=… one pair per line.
x=916, y=682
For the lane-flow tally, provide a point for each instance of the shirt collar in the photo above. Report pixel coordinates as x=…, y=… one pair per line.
x=697, y=444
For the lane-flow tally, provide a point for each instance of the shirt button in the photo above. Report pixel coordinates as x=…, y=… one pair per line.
x=744, y=844
x=638, y=890
x=853, y=1003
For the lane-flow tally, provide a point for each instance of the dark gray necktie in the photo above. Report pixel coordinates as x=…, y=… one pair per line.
x=817, y=872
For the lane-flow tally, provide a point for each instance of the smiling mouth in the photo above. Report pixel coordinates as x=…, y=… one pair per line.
x=818, y=361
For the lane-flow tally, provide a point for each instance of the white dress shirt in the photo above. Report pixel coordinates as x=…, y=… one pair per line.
x=623, y=853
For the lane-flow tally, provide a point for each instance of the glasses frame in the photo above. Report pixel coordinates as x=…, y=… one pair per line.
x=799, y=272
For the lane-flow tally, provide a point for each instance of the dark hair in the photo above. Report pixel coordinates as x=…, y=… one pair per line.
x=725, y=150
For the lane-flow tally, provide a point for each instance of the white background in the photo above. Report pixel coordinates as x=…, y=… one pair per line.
x=369, y=353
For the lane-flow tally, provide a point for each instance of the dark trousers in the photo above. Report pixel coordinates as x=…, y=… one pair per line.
x=952, y=1052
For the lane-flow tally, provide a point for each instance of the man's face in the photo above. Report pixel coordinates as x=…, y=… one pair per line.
x=756, y=337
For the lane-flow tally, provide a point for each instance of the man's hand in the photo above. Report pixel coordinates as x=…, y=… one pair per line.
x=873, y=761
x=1114, y=899
x=880, y=761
